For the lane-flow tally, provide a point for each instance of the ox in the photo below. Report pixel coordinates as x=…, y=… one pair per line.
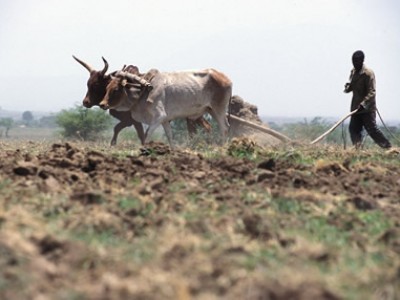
x=97, y=84
x=186, y=94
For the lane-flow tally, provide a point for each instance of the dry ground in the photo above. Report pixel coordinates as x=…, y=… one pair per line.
x=85, y=221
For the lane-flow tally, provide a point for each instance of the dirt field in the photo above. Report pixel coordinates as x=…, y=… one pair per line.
x=85, y=221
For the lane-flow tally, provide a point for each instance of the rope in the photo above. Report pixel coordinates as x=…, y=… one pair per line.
x=344, y=137
x=387, y=129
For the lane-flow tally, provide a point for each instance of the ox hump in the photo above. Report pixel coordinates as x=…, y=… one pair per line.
x=220, y=78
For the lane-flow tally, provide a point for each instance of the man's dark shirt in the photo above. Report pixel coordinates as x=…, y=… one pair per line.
x=363, y=86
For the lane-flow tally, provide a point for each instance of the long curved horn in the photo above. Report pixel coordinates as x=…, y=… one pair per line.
x=103, y=72
x=88, y=67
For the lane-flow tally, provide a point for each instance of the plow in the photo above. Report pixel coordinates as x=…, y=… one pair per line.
x=274, y=133
x=283, y=138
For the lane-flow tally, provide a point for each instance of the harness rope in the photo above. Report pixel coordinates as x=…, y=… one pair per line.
x=344, y=137
x=387, y=129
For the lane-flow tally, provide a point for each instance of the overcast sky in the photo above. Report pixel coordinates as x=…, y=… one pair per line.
x=290, y=58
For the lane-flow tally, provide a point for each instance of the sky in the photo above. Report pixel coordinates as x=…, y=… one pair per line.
x=290, y=58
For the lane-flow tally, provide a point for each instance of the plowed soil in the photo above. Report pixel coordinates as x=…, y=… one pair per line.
x=79, y=221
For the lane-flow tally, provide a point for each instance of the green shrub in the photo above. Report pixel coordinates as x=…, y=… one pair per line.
x=7, y=123
x=83, y=123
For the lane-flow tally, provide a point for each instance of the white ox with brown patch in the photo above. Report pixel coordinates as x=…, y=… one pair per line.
x=185, y=94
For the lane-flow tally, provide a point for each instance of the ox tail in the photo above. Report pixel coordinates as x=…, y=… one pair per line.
x=261, y=128
x=229, y=113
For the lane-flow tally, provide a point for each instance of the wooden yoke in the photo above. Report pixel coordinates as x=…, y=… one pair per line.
x=133, y=78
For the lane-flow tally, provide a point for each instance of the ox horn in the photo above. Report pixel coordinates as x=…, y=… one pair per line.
x=88, y=67
x=103, y=72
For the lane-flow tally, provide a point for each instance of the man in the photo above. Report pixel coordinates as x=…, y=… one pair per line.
x=362, y=84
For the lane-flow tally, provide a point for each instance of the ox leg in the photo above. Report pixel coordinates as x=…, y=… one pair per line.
x=139, y=130
x=223, y=125
x=191, y=127
x=168, y=132
x=202, y=122
x=121, y=125
x=149, y=131
x=117, y=129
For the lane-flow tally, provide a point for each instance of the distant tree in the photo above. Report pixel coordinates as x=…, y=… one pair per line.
x=48, y=121
x=27, y=117
x=83, y=123
x=7, y=123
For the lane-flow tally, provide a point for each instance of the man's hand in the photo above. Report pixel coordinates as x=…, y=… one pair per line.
x=346, y=87
x=361, y=106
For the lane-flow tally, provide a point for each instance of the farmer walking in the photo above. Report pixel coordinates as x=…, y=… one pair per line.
x=362, y=84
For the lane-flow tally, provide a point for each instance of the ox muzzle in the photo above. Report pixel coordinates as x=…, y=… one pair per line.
x=87, y=103
x=104, y=105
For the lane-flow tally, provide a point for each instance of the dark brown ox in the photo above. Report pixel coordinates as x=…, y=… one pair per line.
x=97, y=83
x=184, y=94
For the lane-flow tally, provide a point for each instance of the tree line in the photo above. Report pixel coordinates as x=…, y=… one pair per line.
x=91, y=124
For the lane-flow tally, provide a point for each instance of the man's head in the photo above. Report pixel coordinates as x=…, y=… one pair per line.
x=358, y=60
